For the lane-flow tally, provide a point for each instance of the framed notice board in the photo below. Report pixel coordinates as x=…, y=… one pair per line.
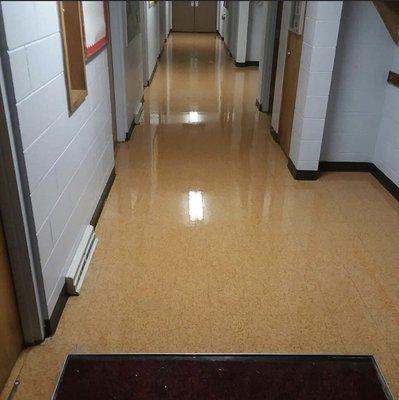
x=95, y=26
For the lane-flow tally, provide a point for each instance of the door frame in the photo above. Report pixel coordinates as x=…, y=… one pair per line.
x=18, y=224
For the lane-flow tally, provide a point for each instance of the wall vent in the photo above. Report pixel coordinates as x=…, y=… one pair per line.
x=81, y=261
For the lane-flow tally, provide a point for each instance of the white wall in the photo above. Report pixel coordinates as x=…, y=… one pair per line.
x=128, y=69
x=362, y=61
x=68, y=158
x=278, y=88
x=267, y=55
x=256, y=30
x=386, y=155
x=317, y=61
x=153, y=36
x=231, y=26
x=168, y=17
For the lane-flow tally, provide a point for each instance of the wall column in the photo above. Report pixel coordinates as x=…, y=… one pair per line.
x=317, y=62
x=242, y=31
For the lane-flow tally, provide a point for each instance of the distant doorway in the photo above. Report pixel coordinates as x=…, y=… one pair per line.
x=194, y=16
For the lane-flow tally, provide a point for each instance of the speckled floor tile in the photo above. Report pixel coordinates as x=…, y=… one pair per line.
x=256, y=262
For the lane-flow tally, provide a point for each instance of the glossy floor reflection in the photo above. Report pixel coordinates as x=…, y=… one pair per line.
x=208, y=245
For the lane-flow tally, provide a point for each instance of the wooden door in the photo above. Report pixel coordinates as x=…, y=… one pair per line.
x=290, y=83
x=205, y=16
x=291, y=72
x=183, y=16
x=11, y=340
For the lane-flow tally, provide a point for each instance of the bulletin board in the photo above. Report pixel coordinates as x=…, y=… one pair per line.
x=95, y=26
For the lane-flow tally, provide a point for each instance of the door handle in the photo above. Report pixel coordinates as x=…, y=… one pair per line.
x=288, y=53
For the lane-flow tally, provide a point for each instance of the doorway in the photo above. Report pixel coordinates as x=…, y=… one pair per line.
x=11, y=339
x=194, y=16
x=291, y=73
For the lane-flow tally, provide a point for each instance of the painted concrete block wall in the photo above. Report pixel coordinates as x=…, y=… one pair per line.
x=278, y=88
x=68, y=158
x=153, y=36
x=363, y=59
x=242, y=31
x=222, y=17
x=133, y=64
x=231, y=27
x=314, y=81
x=256, y=29
x=386, y=154
x=128, y=75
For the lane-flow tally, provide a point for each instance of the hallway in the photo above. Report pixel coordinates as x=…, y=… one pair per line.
x=207, y=244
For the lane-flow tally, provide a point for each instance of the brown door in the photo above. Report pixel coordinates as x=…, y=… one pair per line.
x=11, y=341
x=291, y=72
x=205, y=16
x=183, y=16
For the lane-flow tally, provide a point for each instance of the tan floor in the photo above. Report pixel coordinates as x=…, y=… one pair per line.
x=273, y=265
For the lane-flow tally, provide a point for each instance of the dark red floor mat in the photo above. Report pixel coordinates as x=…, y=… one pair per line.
x=206, y=377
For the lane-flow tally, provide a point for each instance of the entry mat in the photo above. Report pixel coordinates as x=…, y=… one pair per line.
x=241, y=376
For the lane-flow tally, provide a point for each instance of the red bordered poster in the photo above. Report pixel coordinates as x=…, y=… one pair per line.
x=95, y=25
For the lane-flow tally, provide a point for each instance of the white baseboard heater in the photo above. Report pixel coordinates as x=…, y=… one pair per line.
x=81, y=261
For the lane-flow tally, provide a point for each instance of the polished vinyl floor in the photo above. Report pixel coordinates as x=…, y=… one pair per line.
x=207, y=244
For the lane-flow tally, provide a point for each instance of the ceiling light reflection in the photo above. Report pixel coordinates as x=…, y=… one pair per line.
x=193, y=117
x=196, y=205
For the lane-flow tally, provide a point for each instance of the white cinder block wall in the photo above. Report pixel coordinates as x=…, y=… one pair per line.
x=68, y=158
x=362, y=61
x=256, y=29
x=386, y=155
x=153, y=36
x=317, y=61
x=128, y=75
x=362, y=121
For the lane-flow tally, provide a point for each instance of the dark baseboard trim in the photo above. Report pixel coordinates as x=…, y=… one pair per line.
x=385, y=181
x=258, y=105
x=52, y=323
x=302, y=175
x=103, y=198
x=130, y=131
x=274, y=135
x=247, y=64
x=344, y=166
x=160, y=54
x=152, y=74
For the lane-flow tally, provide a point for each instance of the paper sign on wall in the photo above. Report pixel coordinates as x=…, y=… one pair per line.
x=95, y=26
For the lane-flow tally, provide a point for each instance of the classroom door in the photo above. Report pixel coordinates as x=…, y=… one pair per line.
x=183, y=16
x=205, y=16
x=194, y=16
